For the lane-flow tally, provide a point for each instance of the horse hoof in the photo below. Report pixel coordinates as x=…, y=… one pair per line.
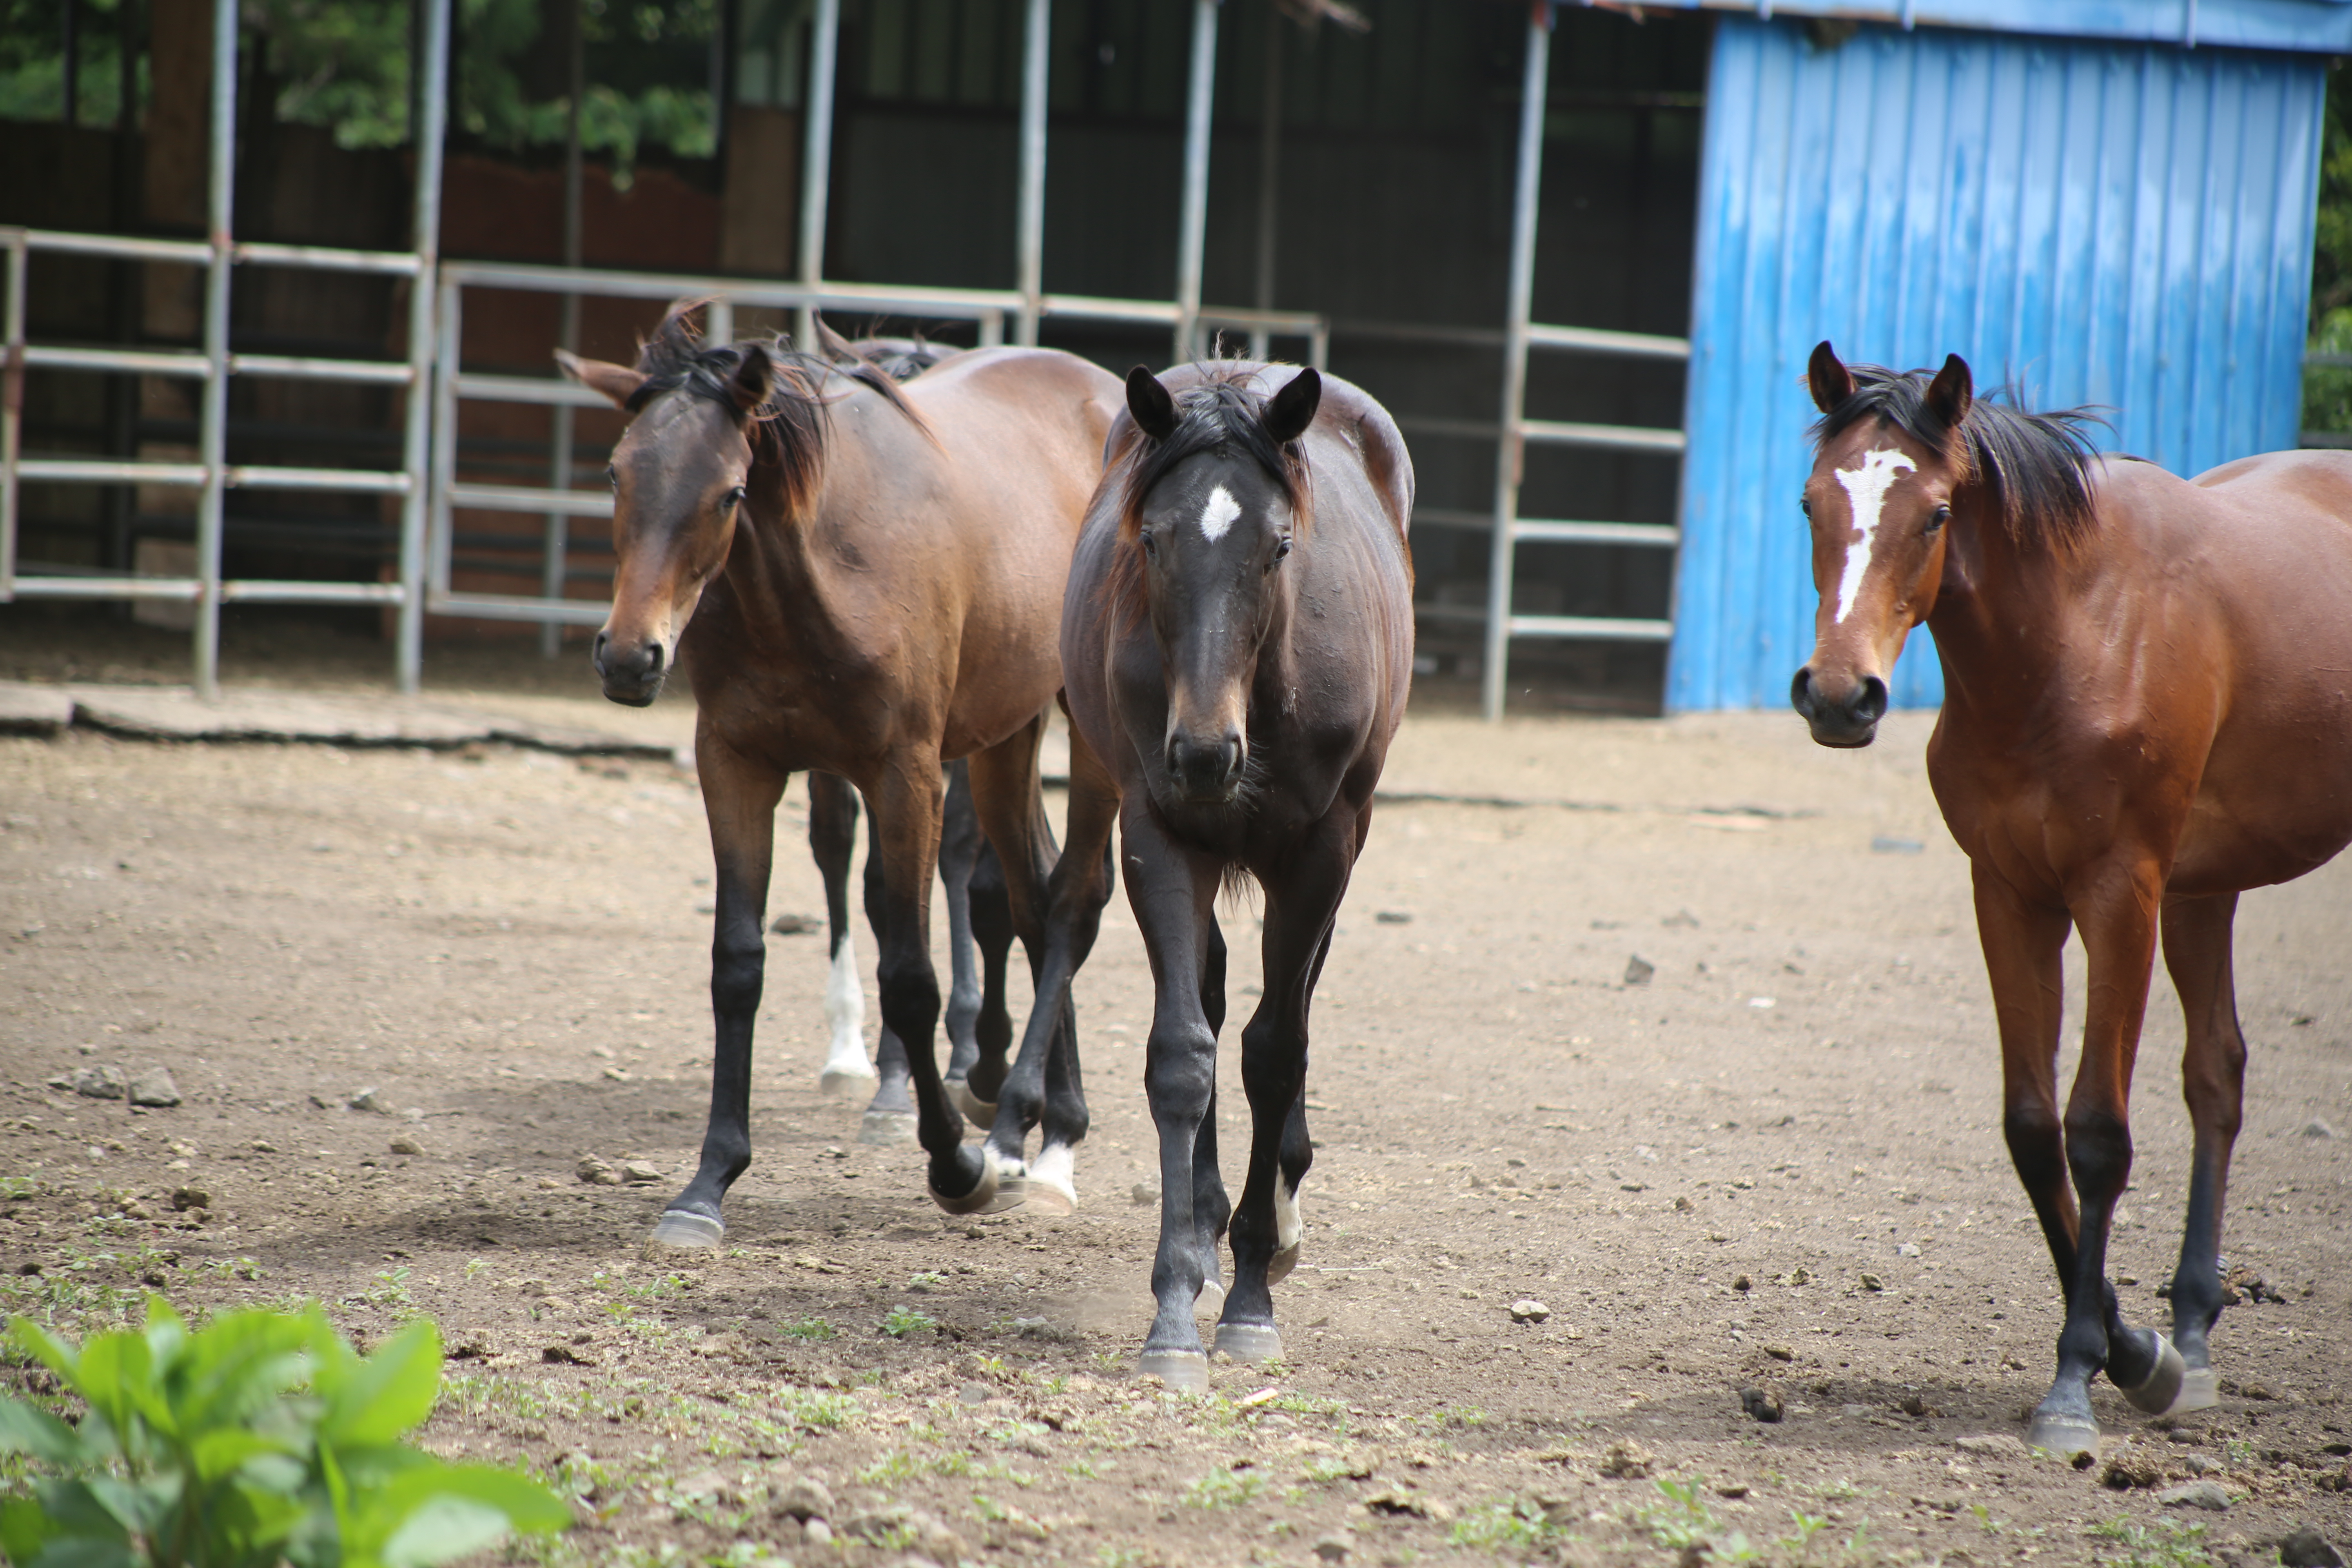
x=1211, y=1302
x=686, y=1232
x=1283, y=1263
x=1184, y=1371
x=1250, y=1341
x=835, y=1082
x=980, y=1112
x=1053, y=1180
x=887, y=1127
x=2162, y=1387
x=981, y=1199
x=2064, y=1434
x=2199, y=1390
x=1046, y=1197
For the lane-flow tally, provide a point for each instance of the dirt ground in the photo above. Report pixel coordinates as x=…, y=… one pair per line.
x=1774, y=1165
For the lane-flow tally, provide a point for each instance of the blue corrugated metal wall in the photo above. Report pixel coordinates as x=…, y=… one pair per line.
x=2118, y=223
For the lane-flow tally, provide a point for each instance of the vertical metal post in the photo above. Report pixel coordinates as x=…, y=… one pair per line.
x=12, y=410
x=450, y=331
x=1510, y=460
x=816, y=154
x=1029, y=211
x=69, y=63
x=1192, y=222
x=212, y=417
x=1270, y=174
x=417, y=454
x=554, y=564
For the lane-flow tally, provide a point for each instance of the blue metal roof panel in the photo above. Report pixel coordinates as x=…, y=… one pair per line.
x=2320, y=26
x=2127, y=225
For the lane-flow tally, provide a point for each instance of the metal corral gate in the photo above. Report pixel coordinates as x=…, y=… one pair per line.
x=2123, y=223
x=211, y=476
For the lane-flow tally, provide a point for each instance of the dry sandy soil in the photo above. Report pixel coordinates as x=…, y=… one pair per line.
x=1776, y=1164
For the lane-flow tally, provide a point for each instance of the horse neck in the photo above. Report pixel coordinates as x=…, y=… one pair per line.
x=2001, y=608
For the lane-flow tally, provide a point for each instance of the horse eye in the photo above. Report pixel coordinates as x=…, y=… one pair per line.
x=613, y=477
x=1282, y=550
x=1805, y=505
x=734, y=498
x=1150, y=548
x=1943, y=515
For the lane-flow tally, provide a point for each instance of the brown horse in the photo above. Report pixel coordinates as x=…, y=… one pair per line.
x=1237, y=645
x=2147, y=711
x=861, y=579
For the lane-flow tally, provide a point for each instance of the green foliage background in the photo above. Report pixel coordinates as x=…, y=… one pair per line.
x=344, y=65
x=2327, y=390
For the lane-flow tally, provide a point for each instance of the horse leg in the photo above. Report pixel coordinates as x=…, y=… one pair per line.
x=1297, y=1155
x=991, y=930
x=889, y=1116
x=960, y=848
x=2117, y=918
x=1042, y=1085
x=2214, y=1076
x=1212, y=1210
x=906, y=808
x=1300, y=907
x=1173, y=890
x=833, y=840
x=739, y=796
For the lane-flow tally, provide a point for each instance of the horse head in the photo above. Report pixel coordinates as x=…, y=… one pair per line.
x=1213, y=504
x=679, y=475
x=1878, y=499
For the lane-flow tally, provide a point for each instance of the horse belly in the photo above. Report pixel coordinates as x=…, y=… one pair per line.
x=2256, y=821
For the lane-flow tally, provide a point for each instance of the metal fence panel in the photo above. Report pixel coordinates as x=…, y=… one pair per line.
x=2121, y=224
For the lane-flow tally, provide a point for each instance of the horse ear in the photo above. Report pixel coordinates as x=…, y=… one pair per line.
x=1827, y=376
x=1949, y=394
x=832, y=344
x=616, y=383
x=1290, y=411
x=754, y=379
x=1148, y=401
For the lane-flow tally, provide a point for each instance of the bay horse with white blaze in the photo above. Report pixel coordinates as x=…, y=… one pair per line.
x=2147, y=710
x=1236, y=650
x=861, y=579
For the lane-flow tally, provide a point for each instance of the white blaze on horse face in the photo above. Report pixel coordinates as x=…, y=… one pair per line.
x=1865, y=488
x=1218, y=514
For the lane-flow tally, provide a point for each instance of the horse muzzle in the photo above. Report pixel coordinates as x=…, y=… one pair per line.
x=632, y=672
x=1844, y=721
x=1207, y=772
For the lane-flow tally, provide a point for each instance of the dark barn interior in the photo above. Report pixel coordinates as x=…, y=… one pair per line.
x=1387, y=177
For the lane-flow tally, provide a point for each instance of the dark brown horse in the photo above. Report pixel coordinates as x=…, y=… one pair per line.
x=2147, y=711
x=861, y=579
x=1237, y=646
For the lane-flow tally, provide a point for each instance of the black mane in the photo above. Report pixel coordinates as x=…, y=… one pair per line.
x=2037, y=466
x=790, y=426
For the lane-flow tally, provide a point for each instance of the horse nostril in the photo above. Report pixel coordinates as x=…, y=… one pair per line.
x=1870, y=703
x=1800, y=691
x=654, y=656
x=1229, y=756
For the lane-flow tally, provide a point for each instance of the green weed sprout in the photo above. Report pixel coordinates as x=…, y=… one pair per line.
x=261, y=1438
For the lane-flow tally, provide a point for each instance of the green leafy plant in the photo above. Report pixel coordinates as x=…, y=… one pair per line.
x=904, y=1321
x=1224, y=1488
x=262, y=1437
x=2161, y=1545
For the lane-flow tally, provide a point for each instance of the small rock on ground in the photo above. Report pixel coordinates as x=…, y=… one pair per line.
x=96, y=1082
x=1763, y=1406
x=2315, y=1128
x=2306, y=1547
x=406, y=1146
x=1144, y=1193
x=1638, y=971
x=1331, y=1548
x=368, y=1099
x=802, y=1496
x=596, y=1172
x=1528, y=1310
x=1627, y=1460
x=155, y=1089
x=2003, y=1445
x=639, y=1173
x=2127, y=1467
x=2196, y=1494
